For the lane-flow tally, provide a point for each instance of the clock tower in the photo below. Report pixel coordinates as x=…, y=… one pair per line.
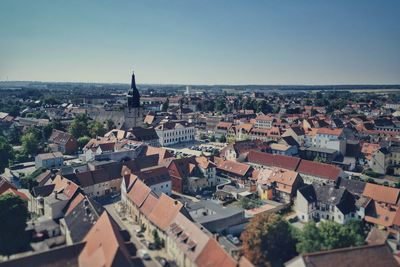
x=133, y=112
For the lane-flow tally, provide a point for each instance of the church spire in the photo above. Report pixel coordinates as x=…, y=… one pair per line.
x=133, y=94
x=133, y=82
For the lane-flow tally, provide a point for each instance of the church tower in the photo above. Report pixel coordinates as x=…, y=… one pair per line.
x=133, y=112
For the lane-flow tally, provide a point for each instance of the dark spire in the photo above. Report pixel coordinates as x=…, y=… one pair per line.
x=133, y=94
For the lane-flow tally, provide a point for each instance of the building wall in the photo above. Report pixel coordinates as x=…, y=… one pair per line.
x=175, y=136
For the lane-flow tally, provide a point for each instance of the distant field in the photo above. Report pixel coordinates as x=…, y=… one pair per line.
x=377, y=91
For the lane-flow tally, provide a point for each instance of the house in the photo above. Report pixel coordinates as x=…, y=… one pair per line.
x=109, y=149
x=264, y=121
x=382, y=205
x=51, y=200
x=320, y=173
x=379, y=255
x=297, y=133
x=380, y=160
x=49, y=160
x=326, y=138
x=234, y=171
x=147, y=136
x=105, y=245
x=81, y=215
x=325, y=202
x=265, y=135
x=157, y=178
x=283, y=149
x=174, y=132
x=63, y=142
x=239, y=149
x=99, y=182
x=222, y=129
x=278, y=184
x=310, y=171
x=191, y=174
x=216, y=218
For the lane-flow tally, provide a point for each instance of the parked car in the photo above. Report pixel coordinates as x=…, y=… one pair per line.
x=143, y=254
x=163, y=261
x=233, y=239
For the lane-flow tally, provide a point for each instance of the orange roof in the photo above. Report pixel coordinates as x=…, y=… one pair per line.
x=138, y=192
x=234, y=167
x=214, y=255
x=329, y=131
x=104, y=245
x=165, y=211
x=368, y=149
x=75, y=202
x=383, y=214
x=148, y=205
x=264, y=118
x=16, y=193
x=5, y=185
x=382, y=193
x=284, y=179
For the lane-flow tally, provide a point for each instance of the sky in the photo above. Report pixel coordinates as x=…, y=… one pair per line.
x=201, y=41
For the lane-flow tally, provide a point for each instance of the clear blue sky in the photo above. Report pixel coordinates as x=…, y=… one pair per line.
x=202, y=42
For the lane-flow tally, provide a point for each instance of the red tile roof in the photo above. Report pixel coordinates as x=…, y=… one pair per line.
x=382, y=193
x=213, y=255
x=105, y=246
x=164, y=212
x=138, y=193
x=317, y=169
x=148, y=205
x=261, y=158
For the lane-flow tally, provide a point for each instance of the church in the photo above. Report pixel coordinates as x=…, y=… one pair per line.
x=133, y=112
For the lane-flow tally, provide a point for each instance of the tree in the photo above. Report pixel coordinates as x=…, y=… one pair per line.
x=82, y=141
x=212, y=138
x=330, y=235
x=222, y=139
x=13, y=217
x=249, y=203
x=96, y=129
x=14, y=135
x=165, y=105
x=30, y=143
x=6, y=153
x=157, y=240
x=310, y=239
x=110, y=124
x=264, y=107
x=79, y=126
x=268, y=240
x=220, y=103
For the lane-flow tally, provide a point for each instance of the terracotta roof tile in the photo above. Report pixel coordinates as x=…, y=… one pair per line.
x=382, y=193
x=261, y=158
x=165, y=211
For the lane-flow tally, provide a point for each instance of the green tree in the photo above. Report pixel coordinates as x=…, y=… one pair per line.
x=6, y=153
x=268, y=240
x=309, y=238
x=79, y=126
x=222, y=139
x=13, y=217
x=165, y=105
x=220, y=103
x=212, y=138
x=96, y=129
x=82, y=141
x=330, y=235
x=157, y=240
x=30, y=143
x=14, y=135
x=264, y=107
x=110, y=124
